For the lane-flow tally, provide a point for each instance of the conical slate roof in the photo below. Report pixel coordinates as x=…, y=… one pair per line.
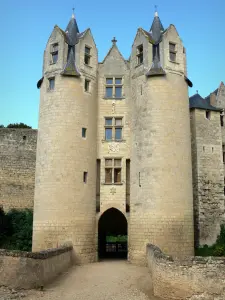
x=156, y=29
x=72, y=31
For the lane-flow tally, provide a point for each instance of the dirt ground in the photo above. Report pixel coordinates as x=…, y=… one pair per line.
x=107, y=280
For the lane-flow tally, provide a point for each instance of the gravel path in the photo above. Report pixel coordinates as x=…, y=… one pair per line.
x=108, y=280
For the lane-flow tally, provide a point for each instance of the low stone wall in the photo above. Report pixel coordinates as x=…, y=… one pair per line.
x=195, y=278
x=28, y=270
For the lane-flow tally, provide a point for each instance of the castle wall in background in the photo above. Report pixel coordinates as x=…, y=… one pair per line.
x=17, y=167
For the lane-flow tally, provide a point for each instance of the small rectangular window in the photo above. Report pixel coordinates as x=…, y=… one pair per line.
x=118, y=92
x=87, y=50
x=118, y=81
x=113, y=170
x=87, y=55
x=109, y=92
x=108, y=175
x=87, y=85
x=108, y=121
x=118, y=134
x=108, y=134
x=113, y=129
x=84, y=132
x=108, y=162
x=118, y=121
x=51, y=83
x=85, y=174
x=221, y=120
x=140, y=54
x=109, y=80
x=172, y=47
x=117, y=162
x=173, y=52
x=114, y=87
x=54, y=53
x=208, y=114
x=117, y=175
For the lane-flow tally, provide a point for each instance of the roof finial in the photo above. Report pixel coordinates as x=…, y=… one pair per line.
x=156, y=11
x=114, y=40
x=73, y=16
x=197, y=92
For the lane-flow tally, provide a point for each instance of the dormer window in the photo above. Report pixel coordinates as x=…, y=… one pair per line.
x=87, y=55
x=173, y=52
x=54, y=53
x=139, y=54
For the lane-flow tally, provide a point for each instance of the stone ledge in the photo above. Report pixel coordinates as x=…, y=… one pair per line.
x=36, y=255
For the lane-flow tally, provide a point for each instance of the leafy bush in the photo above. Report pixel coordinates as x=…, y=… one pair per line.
x=218, y=249
x=18, y=125
x=114, y=239
x=17, y=229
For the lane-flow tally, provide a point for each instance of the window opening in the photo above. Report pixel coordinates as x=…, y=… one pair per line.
x=139, y=54
x=113, y=170
x=113, y=128
x=54, y=53
x=173, y=52
x=87, y=55
x=51, y=83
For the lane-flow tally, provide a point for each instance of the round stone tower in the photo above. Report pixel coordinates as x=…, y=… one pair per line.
x=64, y=201
x=161, y=172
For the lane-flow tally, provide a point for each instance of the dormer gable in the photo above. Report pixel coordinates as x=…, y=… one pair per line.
x=114, y=57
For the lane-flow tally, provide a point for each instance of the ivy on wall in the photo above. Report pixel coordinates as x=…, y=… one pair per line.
x=16, y=229
x=218, y=249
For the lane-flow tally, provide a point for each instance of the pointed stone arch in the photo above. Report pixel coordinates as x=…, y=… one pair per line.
x=112, y=223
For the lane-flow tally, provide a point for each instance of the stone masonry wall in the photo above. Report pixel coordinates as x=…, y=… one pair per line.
x=208, y=176
x=17, y=167
x=32, y=270
x=195, y=278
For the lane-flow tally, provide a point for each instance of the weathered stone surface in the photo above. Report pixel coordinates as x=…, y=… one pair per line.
x=17, y=167
x=208, y=175
x=191, y=278
x=32, y=270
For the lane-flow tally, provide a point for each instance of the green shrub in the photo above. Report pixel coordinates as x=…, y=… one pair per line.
x=18, y=125
x=17, y=234
x=218, y=249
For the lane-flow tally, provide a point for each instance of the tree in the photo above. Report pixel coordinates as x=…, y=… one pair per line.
x=2, y=126
x=18, y=125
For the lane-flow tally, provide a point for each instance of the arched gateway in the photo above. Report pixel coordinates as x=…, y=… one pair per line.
x=112, y=234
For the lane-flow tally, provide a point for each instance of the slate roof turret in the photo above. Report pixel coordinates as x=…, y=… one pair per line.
x=156, y=29
x=72, y=31
x=196, y=101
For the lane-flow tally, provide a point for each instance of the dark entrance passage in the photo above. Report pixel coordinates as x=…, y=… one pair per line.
x=112, y=235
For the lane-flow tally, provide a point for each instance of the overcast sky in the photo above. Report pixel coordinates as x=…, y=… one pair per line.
x=27, y=25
